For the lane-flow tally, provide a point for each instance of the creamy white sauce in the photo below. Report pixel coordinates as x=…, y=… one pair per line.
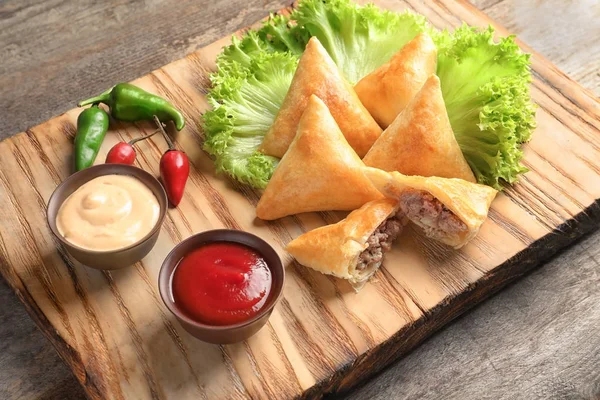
x=108, y=213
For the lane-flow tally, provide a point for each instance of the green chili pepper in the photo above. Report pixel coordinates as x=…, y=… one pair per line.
x=130, y=103
x=92, y=125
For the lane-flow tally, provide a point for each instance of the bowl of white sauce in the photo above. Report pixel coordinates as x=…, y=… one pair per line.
x=108, y=216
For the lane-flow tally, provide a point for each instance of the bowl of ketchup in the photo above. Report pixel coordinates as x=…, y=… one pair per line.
x=222, y=284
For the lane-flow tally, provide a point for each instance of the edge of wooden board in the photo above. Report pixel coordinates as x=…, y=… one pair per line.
x=405, y=340
x=69, y=355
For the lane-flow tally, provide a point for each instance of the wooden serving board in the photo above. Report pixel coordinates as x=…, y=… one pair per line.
x=121, y=342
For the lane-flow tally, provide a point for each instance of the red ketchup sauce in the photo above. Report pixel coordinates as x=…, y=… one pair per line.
x=221, y=283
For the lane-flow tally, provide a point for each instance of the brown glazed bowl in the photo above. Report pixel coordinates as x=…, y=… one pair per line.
x=112, y=259
x=222, y=334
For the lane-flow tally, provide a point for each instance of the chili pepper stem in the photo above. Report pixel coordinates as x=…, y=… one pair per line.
x=101, y=98
x=134, y=141
x=166, y=136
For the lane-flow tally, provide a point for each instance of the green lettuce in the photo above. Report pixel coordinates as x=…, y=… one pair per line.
x=282, y=34
x=486, y=90
x=255, y=71
x=244, y=105
x=253, y=76
x=358, y=38
x=485, y=84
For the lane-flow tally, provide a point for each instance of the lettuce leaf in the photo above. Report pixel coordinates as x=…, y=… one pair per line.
x=278, y=34
x=253, y=76
x=485, y=84
x=282, y=34
x=358, y=38
x=245, y=101
x=255, y=71
x=486, y=90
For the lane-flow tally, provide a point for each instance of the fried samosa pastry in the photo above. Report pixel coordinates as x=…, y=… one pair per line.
x=386, y=91
x=449, y=210
x=319, y=172
x=317, y=74
x=353, y=248
x=420, y=141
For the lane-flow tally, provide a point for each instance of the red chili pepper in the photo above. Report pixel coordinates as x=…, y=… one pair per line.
x=121, y=153
x=124, y=152
x=174, y=169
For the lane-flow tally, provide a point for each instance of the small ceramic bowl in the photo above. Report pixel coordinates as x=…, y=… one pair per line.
x=222, y=334
x=112, y=259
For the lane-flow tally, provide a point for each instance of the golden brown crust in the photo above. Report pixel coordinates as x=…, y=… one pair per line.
x=420, y=141
x=317, y=74
x=470, y=202
x=386, y=91
x=319, y=172
x=334, y=249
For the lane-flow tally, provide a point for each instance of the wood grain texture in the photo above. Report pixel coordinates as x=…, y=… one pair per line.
x=56, y=52
x=523, y=343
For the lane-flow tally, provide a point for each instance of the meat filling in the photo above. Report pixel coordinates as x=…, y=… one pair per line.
x=380, y=242
x=429, y=213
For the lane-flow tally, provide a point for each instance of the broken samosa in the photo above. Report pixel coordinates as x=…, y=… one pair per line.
x=449, y=210
x=354, y=248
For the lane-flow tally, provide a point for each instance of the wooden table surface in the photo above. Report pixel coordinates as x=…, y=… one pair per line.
x=538, y=339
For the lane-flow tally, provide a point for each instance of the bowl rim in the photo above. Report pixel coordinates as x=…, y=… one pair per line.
x=133, y=170
x=166, y=279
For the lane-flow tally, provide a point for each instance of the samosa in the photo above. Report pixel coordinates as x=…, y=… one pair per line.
x=319, y=172
x=317, y=74
x=449, y=210
x=354, y=248
x=387, y=91
x=420, y=141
